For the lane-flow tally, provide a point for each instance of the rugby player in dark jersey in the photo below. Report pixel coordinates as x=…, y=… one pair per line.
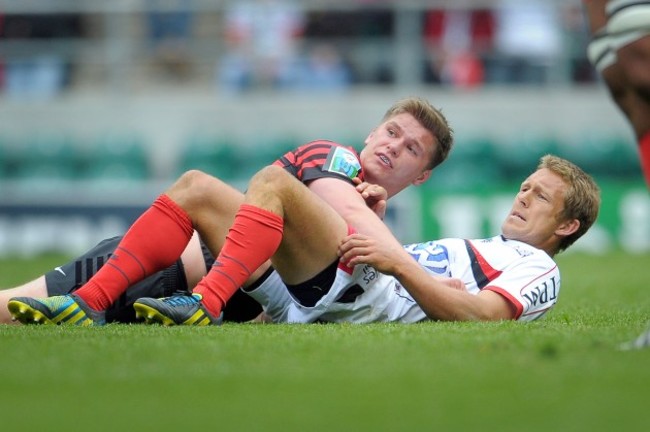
x=307, y=163
x=412, y=139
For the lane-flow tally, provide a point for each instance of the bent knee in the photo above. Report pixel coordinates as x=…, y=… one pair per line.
x=272, y=187
x=271, y=177
x=194, y=186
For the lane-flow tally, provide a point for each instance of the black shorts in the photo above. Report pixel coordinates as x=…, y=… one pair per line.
x=71, y=276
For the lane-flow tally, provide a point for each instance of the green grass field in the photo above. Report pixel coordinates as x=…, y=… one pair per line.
x=563, y=373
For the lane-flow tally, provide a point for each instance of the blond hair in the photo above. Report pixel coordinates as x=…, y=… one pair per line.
x=581, y=199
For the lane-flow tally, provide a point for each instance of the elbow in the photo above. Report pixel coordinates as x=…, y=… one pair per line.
x=464, y=315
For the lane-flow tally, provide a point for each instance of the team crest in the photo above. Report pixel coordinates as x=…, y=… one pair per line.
x=342, y=161
x=433, y=257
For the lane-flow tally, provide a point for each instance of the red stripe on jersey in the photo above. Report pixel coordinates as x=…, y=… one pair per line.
x=514, y=301
x=482, y=270
x=519, y=308
x=644, y=153
x=484, y=273
x=312, y=156
x=307, y=161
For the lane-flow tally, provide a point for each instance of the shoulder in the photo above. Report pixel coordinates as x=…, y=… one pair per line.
x=322, y=158
x=317, y=150
x=326, y=146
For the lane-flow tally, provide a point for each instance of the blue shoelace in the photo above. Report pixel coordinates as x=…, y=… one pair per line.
x=181, y=300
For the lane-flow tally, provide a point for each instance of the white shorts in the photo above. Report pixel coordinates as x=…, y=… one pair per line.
x=363, y=296
x=281, y=306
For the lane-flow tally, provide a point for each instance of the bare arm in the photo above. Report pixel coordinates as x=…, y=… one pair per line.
x=351, y=205
x=624, y=68
x=375, y=196
x=595, y=13
x=433, y=295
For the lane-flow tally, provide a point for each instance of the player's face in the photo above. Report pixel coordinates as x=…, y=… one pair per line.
x=397, y=153
x=533, y=218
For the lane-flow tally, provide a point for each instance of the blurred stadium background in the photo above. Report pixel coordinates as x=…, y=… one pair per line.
x=104, y=104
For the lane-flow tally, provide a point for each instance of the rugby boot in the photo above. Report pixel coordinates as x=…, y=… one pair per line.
x=65, y=309
x=179, y=309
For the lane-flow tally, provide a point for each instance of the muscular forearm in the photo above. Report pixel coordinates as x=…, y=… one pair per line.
x=349, y=204
x=438, y=297
x=437, y=300
x=363, y=220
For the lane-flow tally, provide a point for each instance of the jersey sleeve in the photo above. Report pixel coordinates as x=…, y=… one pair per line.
x=532, y=286
x=319, y=159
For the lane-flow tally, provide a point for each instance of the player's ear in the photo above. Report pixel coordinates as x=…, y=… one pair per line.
x=370, y=135
x=422, y=178
x=567, y=228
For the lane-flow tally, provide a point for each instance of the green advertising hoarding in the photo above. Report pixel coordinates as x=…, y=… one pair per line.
x=623, y=222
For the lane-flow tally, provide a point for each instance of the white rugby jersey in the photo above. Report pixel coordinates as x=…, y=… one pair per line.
x=526, y=276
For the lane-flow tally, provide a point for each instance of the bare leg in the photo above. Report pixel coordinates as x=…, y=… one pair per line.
x=281, y=218
x=212, y=205
x=193, y=262
x=35, y=288
x=193, y=265
x=312, y=229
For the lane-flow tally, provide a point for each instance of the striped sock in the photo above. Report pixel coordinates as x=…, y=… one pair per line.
x=154, y=242
x=253, y=238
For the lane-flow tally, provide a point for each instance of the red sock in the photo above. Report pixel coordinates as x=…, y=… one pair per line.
x=253, y=238
x=644, y=153
x=154, y=242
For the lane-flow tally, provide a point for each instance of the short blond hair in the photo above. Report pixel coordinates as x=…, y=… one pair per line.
x=581, y=199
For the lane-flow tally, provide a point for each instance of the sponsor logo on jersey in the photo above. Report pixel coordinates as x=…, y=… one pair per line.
x=401, y=292
x=369, y=274
x=541, y=294
x=523, y=252
x=342, y=161
x=434, y=258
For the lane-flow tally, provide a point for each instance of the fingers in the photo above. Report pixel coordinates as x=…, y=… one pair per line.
x=352, y=248
x=360, y=186
x=376, y=192
x=349, y=242
x=370, y=190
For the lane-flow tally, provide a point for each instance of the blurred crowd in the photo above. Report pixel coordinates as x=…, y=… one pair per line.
x=252, y=44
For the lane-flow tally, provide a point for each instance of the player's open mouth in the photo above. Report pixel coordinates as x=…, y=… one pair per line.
x=385, y=160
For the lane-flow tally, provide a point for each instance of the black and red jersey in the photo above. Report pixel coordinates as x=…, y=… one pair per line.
x=322, y=158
